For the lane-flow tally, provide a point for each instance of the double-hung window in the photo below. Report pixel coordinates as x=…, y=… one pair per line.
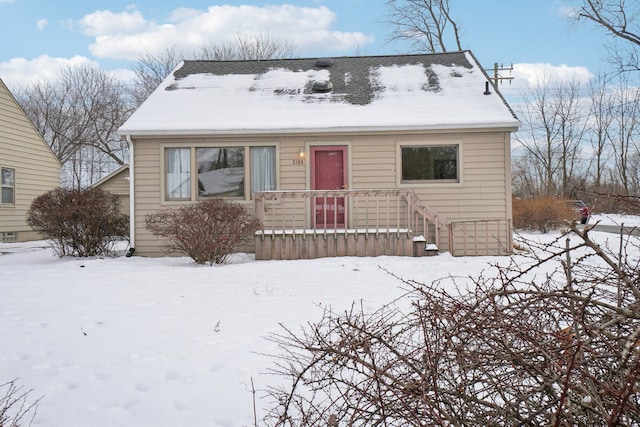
x=8, y=185
x=263, y=169
x=429, y=163
x=178, y=167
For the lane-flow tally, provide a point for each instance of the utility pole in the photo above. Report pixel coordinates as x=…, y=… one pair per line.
x=497, y=77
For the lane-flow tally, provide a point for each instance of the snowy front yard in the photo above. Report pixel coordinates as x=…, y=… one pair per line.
x=163, y=342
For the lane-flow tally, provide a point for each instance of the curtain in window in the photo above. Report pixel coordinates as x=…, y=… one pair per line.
x=178, y=173
x=263, y=169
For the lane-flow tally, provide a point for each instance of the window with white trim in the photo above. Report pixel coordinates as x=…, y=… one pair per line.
x=263, y=169
x=219, y=171
x=8, y=185
x=429, y=163
x=10, y=236
x=178, y=177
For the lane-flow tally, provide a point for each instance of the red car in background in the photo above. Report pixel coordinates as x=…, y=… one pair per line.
x=582, y=210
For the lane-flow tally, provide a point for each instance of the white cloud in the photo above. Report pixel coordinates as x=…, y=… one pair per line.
x=125, y=75
x=532, y=75
x=568, y=11
x=127, y=35
x=42, y=23
x=104, y=23
x=19, y=71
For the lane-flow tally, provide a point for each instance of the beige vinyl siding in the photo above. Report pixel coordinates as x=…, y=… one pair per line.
x=146, y=195
x=483, y=193
x=292, y=176
x=485, y=181
x=117, y=183
x=373, y=163
x=36, y=168
x=149, y=177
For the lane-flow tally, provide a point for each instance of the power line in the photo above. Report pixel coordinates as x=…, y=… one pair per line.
x=499, y=78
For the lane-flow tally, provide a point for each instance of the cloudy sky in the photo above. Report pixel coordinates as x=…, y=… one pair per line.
x=41, y=36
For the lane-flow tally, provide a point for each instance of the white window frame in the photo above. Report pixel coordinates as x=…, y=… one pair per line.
x=430, y=182
x=184, y=161
x=9, y=236
x=4, y=185
x=192, y=147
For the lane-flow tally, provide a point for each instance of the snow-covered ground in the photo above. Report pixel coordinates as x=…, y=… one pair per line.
x=163, y=342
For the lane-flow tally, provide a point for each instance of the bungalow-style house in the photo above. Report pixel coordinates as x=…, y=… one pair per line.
x=117, y=182
x=359, y=156
x=28, y=168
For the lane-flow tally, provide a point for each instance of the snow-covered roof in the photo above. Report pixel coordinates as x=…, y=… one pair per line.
x=366, y=93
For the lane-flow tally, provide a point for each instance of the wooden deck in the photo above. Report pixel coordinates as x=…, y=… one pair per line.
x=314, y=224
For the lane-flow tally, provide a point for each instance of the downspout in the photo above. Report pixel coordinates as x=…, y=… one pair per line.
x=132, y=200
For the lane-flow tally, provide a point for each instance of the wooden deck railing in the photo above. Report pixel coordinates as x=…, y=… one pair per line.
x=480, y=237
x=309, y=224
x=311, y=213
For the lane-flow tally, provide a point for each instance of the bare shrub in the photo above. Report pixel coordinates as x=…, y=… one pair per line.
x=541, y=214
x=15, y=407
x=520, y=348
x=79, y=223
x=208, y=231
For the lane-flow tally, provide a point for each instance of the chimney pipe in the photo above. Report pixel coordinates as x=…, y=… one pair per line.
x=486, y=88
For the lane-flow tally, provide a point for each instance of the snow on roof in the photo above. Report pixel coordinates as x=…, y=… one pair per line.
x=434, y=91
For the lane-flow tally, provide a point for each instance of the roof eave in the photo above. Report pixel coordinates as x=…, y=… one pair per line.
x=511, y=125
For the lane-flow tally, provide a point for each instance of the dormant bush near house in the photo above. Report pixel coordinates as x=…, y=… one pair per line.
x=79, y=223
x=208, y=231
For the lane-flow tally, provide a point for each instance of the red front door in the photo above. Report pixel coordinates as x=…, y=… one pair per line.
x=329, y=173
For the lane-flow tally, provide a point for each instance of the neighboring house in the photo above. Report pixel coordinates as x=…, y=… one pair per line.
x=28, y=168
x=380, y=155
x=117, y=182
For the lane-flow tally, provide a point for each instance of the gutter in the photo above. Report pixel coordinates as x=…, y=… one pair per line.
x=132, y=199
x=511, y=125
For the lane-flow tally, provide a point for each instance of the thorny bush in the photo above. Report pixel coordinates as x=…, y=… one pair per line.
x=551, y=339
x=16, y=409
x=208, y=231
x=81, y=223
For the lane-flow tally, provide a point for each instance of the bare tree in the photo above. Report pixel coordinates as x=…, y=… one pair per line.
x=151, y=70
x=526, y=345
x=528, y=175
x=601, y=117
x=78, y=115
x=426, y=24
x=621, y=19
x=553, y=127
x=248, y=47
x=625, y=131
